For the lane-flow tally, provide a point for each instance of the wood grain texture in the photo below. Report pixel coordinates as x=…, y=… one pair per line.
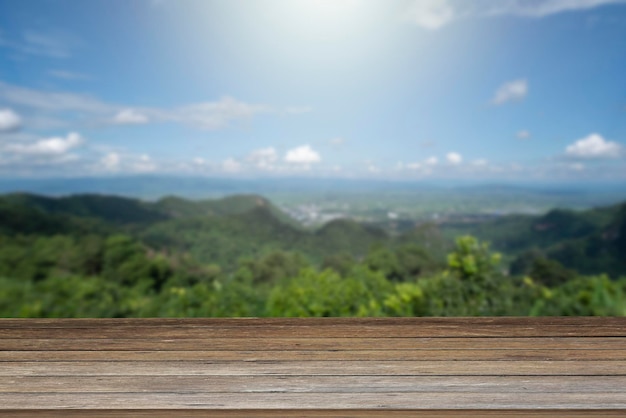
x=316, y=368
x=294, y=367
x=306, y=344
x=320, y=355
x=425, y=322
x=308, y=413
x=316, y=327
x=270, y=400
x=316, y=384
x=414, y=400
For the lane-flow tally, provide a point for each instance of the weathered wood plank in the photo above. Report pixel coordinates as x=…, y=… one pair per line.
x=450, y=323
x=317, y=331
x=301, y=413
x=315, y=384
x=319, y=355
x=345, y=363
x=314, y=368
x=423, y=400
x=339, y=344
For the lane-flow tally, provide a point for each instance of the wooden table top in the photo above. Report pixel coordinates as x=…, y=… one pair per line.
x=313, y=367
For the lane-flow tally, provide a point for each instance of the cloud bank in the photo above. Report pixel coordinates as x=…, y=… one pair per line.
x=594, y=146
x=302, y=155
x=513, y=91
x=48, y=146
x=9, y=121
x=209, y=115
x=434, y=14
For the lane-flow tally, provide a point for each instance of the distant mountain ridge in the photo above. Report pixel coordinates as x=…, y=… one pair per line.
x=177, y=207
x=589, y=241
x=126, y=210
x=247, y=226
x=114, y=209
x=221, y=230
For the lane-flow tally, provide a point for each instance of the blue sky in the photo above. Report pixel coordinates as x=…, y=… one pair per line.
x=426, y=89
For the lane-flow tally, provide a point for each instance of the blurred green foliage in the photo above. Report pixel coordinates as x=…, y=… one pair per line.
x=120, y=277
x=251, y=264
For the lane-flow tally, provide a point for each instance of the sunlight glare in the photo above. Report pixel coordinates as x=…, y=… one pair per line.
x=327, y=8
x=321, y=19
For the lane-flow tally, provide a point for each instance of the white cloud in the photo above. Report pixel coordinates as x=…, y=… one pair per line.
x=302, y=155
x=123, y=162
x=111, y=161
x=52, y=101
x=263, y=158
x=210, y=115
x=9, y=121
x=38, y=43
x=130, y=117
x=373, y=169
x=48, y=146
x=480, y=162
x=524, y=134
x=430, y=14
x=434, y=14
x=454, y=158
x=231, y=165
x=144, y=164
x=541, y=8
x=49, y=44
x=594, y=146
x=415, y=169
x=512, y=91
x=414, y=166
x=432, y=161
x=216, y=115
x=206, y=115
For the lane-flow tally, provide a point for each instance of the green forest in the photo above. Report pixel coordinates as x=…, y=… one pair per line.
x=108, y=256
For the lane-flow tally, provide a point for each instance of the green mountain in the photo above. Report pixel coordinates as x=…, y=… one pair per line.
x=589, y=242
x=224, y=231
x=347, y=236
x=111, y=209
x=226, y=239
x=602, y=249
x=177, y=207
x=19, y=217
